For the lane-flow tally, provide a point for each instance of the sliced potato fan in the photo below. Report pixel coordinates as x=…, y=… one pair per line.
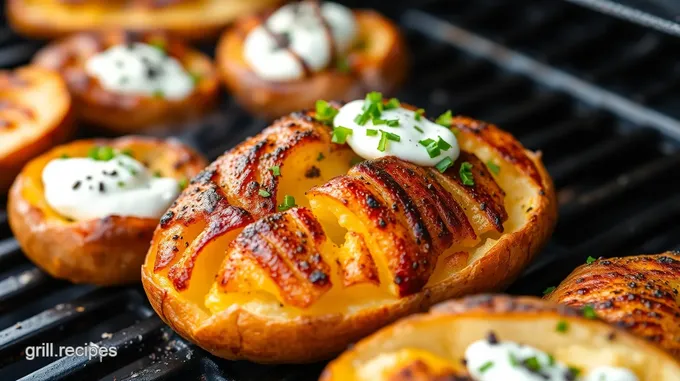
x=639, y=293
x=433, y=346
x=189, y=19
x=35, y=114
x=282, y=250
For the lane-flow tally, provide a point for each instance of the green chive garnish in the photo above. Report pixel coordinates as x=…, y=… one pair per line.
x=562, y=326
x=158, y=44
x=288, y=202
x=445, y=119
x=158, y=94
x=392, y=104
x=64, y=156
x=590, y=260
x=340, y=134
x=485, y=367
x=589, y=312
x=419, y=114
x=183, y=183
x=195, y=77
x=157, y=174
x=101, y=153
x=442, y=144
x=418, y=129
x=264, y=193
x=371, y=132
x=465, y=173
x=431, y=147
x=532, y=363
x=382, y=144
x=549, y=290
x=495, y=169
x=444, y=164
x=276, y=170
x=320, y=157
x=325, y=113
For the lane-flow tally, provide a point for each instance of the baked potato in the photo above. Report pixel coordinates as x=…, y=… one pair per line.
x=283, y=251
x=188, y=19
x=35, y=114
x=104, y=251
x=377, y=59
x=445, y=344
x=639, y=293
x=130, y=112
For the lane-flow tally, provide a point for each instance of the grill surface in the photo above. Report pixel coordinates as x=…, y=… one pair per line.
x=587, y=90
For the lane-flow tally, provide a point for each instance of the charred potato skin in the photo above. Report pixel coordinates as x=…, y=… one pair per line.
x=236, y=333
x=638, y=293
x=273, y=99
x=104, y=251
x=128, y=113
x=488, y=307
x=57, y=132
x=190, y=24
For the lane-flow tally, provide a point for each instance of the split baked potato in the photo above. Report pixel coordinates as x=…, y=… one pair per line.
x=35, y=114
x=244, y=273
x=128, y=113
x=377, y=60
x=639, y=293
x=188, y=19
x=102, y=251
x=431, y=346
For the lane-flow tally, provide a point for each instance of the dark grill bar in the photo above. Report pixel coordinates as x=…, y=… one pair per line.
x=562, y=78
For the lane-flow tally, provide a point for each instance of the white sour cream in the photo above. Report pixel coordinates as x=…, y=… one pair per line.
x=307, y=38
x=140, y=69
x=507, y=360
x=409, y=130
x=86, y=189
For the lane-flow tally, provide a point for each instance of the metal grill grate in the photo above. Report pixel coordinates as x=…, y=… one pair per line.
x=563, y=79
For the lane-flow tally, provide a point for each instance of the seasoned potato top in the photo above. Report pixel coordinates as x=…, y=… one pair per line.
x=289, y=223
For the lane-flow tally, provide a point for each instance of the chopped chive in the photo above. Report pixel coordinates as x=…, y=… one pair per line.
x=392, y=104
x=340, y=134
x=276, y=170
x=418, y=129
x=532, y=363
x=431, y=147
x=325, y=113
x=64, y=156
x=495, y=169
x=158, y=94
x=288, y=202
x=465, y=173
x=551, y=360
x=320, y=157
x=444, y=164
x=183, y=183
x=382, y=144
x=549, y=290
x=388, y=122
x=121, y=184
x=562, y=326
x=361, y=119
x=513, y=359
x=419, y=114
x=391, y=136
x=371, y=132
x=374, y=97
x=589, y=312
x=485, y=366
x=590, y=260
x=574, y=371
x=157, y=174
x=101, y=153
x=343, y=65
x=445, y=119
x=158, y=44
x=442, y=144
x=195, y=77
x=126, y=152
x=263, y=192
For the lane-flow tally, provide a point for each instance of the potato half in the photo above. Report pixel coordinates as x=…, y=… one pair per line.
x=639, y=293
x=377, y=61
x=128, y=113
x=35, y=114
x=431, y=346
x=102, y=251
x=188, y=19
x=366, y=244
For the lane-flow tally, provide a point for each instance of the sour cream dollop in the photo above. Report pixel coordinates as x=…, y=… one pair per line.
x=411, y=129
x=306, y=35
x=85, y=189
x=142, y=69
x=510, y=361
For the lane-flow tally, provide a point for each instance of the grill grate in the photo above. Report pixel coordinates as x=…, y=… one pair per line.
x=563, y=79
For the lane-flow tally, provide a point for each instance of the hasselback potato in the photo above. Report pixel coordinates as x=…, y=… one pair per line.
x=514, y=338
x=639, y=293
x=285, y=250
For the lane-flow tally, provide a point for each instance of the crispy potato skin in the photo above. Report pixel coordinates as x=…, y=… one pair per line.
x=238, y=332
x=127, y=113
x=104, y=251
x=36, y=114
x=639, y=293
x=445, y=332
x=381, y=68
x=189, y=20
